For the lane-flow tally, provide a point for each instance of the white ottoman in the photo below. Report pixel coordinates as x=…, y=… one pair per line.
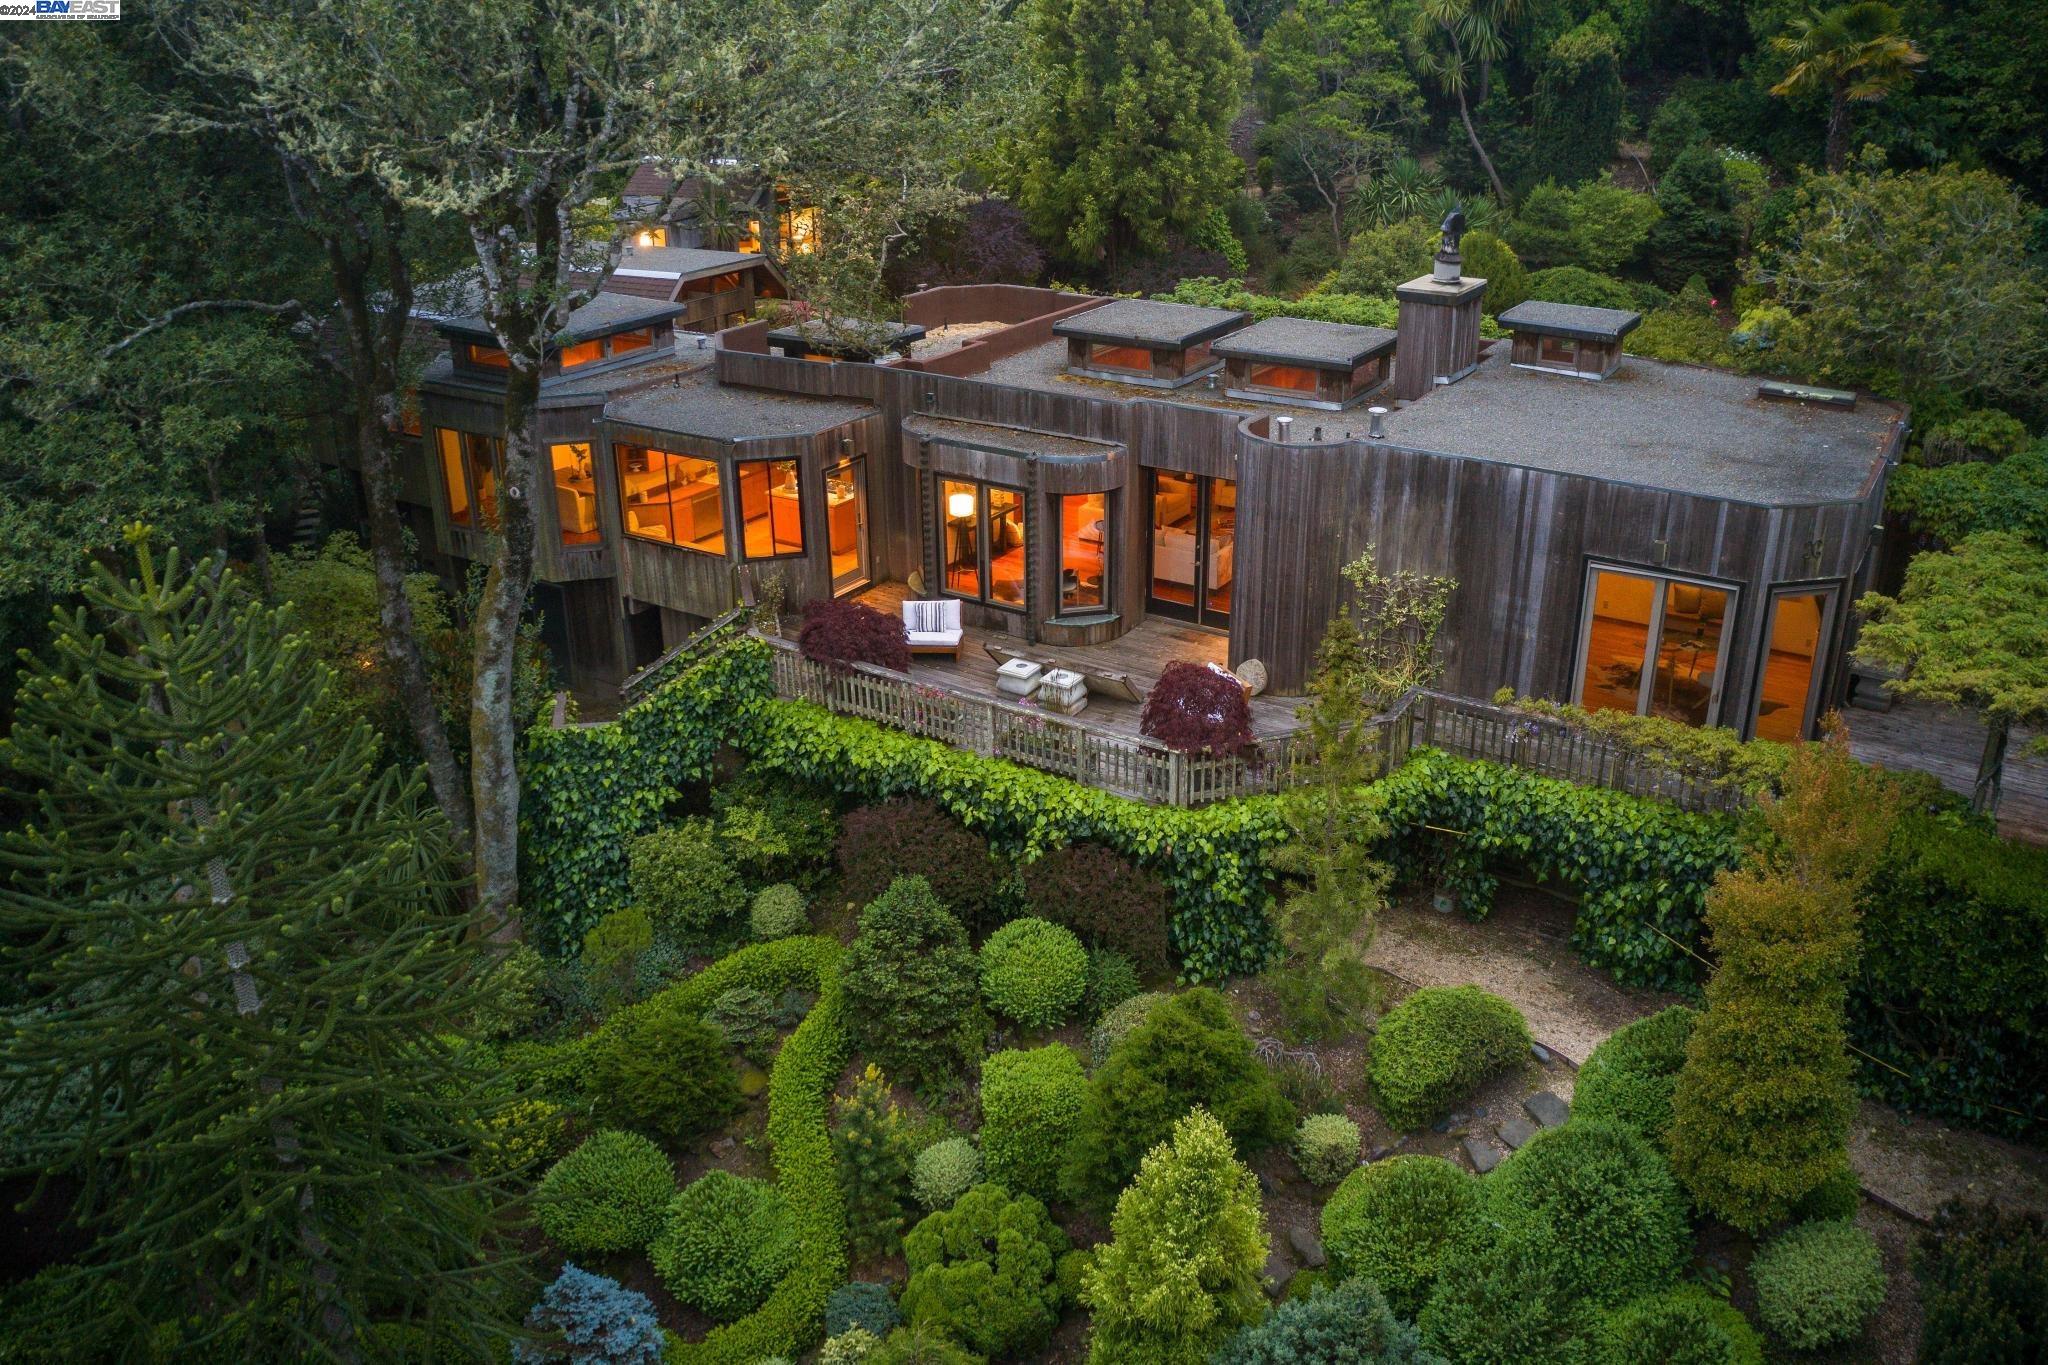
x=1017, y=677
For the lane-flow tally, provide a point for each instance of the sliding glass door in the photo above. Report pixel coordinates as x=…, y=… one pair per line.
x=1194, y=531
x=1653, y=646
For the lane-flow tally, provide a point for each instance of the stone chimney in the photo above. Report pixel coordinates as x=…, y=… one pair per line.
x=1439, y=322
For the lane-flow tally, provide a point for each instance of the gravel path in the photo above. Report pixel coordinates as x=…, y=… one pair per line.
x=1522, y=953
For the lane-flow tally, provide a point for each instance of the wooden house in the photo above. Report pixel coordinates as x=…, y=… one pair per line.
x=1567, y=338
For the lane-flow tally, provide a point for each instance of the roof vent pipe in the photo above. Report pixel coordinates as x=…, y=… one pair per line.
x=1283, y=429
x=1378, y=430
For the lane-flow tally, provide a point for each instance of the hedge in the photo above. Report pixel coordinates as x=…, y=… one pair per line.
x=1638, y=866
x=589, y=789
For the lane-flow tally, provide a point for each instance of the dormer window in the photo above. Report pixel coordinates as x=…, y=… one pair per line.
x=1565, y=338
x=1135, y=341
x=1306, y=364
x=486, y=357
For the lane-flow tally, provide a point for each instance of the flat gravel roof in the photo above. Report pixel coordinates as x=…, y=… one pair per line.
x=1574, y=320
x=604, y=314
x=696, y=404
x=1150, y=322
x=1017, y=440
x=1328, y=345
x=684, y=262
x=1680, y=427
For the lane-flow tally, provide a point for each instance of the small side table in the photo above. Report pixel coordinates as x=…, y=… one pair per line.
x=1018, y=677
x=1063, y=690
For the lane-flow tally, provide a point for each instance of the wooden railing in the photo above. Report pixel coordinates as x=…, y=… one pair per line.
x=639, y=684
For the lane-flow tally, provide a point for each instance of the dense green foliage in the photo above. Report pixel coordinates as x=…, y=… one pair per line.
x=871, y=1146
x=661, y=1068
x=725, y=1242
x=1326, y=1148
x=1578, y=103
x=778, y=911
x=1390, y=1222
x=910, y=979
x=1120, y=1023
x=1348, y=1325
x=610, y=1194
x=1683, y=1326
x=1034, y=972
x=944, y=1171
x=1189, y=1052
x=1107, y=900
x=1954, y=501
x=1629, y=1078
x=1112, y=979
x=1577, y=285
x=1818, y=1283
x=982, y=1271
x=1029, y=1104
x=1180, y=1272
x=1695, y=232
x=685, y=877
x=862, y=1303
x=1434, y=1048
x=880, y=842
x=1983, y=1274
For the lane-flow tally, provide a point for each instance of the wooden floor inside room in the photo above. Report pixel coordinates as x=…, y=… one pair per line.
x=1948, y=743
x=1142, y=653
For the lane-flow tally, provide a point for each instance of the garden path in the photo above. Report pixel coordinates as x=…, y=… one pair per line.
x=1522, y=952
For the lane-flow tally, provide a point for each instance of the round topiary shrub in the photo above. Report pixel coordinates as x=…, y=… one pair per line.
x=684, y=877
x=661, y=1068
x=1629, y=1078
x=607, y=1195
x=861, y=1304
x=1351, y=1324
x=590, y=1319
x=854, y=1346
x=1029, y=1103
x=982, y=1272
x=1112, y=979
x=1683, y=1326
x=1034, y=972
x=778, y=912
x=1818, y=1284
x=944, y=1171
x=725, y=1243
x=1326, y=1148
x=1119, y=1024
x=1435, y=1047
x=1389, y=1222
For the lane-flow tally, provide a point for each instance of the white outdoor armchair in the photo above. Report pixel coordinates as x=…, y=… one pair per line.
x=933, y=627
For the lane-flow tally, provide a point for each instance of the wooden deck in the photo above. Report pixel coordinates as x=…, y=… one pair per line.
x=1947, y=743
x=1143, y=653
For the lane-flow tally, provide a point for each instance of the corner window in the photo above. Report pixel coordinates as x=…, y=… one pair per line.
x=469, y=473
x=1653, y=646
x=575, y=494
x=984, y=552
x=771, y=508
x=1789, y=681
x=673, y=499
x=1084, y=551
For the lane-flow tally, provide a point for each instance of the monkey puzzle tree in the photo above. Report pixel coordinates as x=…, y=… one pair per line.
x=238, y=953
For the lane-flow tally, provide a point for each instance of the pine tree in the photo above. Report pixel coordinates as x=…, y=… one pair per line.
x=242, y=939
x=1698, y=234
x=1578, y=102
x=1760, y=1115
x=1133, y=139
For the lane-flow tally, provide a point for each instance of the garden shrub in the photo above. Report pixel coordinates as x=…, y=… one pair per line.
x=1120, y=1023
x=1818, y=1283
x=861, y=1304
x=911, y=991
x=1196, y=709
x=725, y=1242
x=1629, y=1078
x=1326, y=1148
x=1112, y=979
x=852, y=1347
x=1381, y=257
x=746, y=1016
x=1983, y=1275
x=1840, y=1195
x=840, y=633
x=944, y=1171
x=661, y=1068
x=607, y=1195
x=1104, y=898
x=1582, y=287
x=518, y=1137
x=589, y=1319
x=1188, y=1052
x=1033, y=971
x=778, y=911
x=1488, y=258
x=1390, y=1222
x=684, y=878
x=613, y=947
x=913, y=1345
x=1688, y=1325
x=1513, y=1305
x=1181, y=1271
x=1030, y=1101
x=871, y=1144
x=776, y=830
x=1437, y=1046
x=880, y=843
x=1348, y=1325
x=981, y=1272
x=519, y=999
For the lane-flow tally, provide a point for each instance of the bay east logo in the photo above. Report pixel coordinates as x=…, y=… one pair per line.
x=60, y=9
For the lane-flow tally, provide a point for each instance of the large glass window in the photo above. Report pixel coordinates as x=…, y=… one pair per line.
x=1785, y=694
x=846, y=522
x=575, y=493
x=671, y=498
x=1084, y=551
x=771, y=508
x=985, y=552
x=489, y=357
x=1194, y=553
x=469, y=472
x=1282, y=378
x=1653, y=646
x=1112, y=355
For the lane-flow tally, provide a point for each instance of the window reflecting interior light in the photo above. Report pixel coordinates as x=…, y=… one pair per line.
x=646, y=238
x=960, y=506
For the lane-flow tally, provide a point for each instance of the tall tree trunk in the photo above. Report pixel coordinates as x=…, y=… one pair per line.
x=1500, y=193
x=1990, y=766
x=1838, y=129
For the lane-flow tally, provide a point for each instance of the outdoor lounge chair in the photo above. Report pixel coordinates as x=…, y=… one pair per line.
x=933, y=627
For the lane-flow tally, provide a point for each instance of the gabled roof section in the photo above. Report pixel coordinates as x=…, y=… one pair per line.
x=1150, y=322
x=1301, y=341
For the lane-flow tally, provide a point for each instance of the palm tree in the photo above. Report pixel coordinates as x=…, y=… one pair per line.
x=1403, y=190
x=1454, y=38
x=1854, y=52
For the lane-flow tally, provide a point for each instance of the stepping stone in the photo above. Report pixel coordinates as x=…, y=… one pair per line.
x=1540, y=1053
x=1279, y=1270
x=1515, y=1132
x=1483, y=1155
x=1307, y=1248
x=1547, y=1109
